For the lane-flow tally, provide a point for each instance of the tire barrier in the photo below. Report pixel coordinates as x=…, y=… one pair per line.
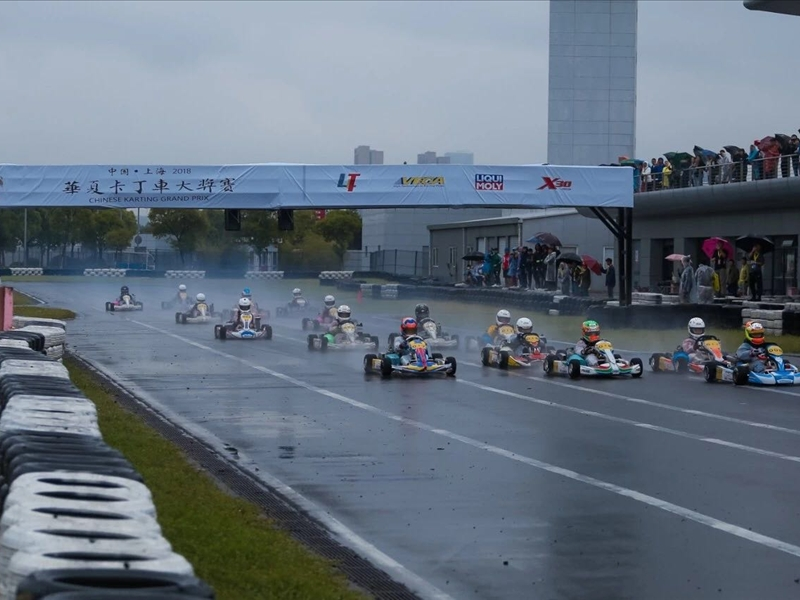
x=34, y=271
x=77, y=521
x=264, y=275
x=20, y=322
x=336, y=275
x=54, y=338
x=772, y=320
x=185, y=274
x=105, y=272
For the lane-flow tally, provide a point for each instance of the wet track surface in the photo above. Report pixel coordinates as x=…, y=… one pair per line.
x=493, y=484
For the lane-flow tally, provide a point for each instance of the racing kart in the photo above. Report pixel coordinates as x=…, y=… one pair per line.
x=349, y=338
x=180, y=301
x=605, y=364
x=777, y=370
x=126, y=303
x=533, y=348
x=320, y=321
x=418, y=361
x=250, y=329
x=300, y=305
x=709, y=351
x=202, y=314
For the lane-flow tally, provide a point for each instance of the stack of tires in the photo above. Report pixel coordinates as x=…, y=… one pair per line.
x=76, y=520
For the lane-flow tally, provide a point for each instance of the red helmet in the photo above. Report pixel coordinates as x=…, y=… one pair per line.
x=408, y=326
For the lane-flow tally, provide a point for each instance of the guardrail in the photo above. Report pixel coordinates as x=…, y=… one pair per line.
x=105, y=272
x=76, y=516
x=185, y=274
x=27, y=271
x=264, y=275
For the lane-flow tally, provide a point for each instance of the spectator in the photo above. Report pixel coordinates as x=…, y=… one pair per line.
x=756, y=277
x=584, y=280
x=698, y=172
x=497, y=264
x=795, y=143
x=657, y=169
x=704, y=278
x=727, y=166
x=719, y=259
x=637, y=178
x=565, y=279
x=744, y=277
x=522, y=269
x=611, y=277
x=731, y=279
x=755, y=159
x=550, y=269
x=713, y=170
x=513, y=266
x=647, y=178
x=665, y=175
x=538, y=265
x=686, y=290
x=506, y=264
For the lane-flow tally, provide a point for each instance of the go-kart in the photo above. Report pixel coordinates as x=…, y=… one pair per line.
x=530, y=349
x=418, y=361
x=126, y=303
x=320, y=321
x=349, y=338
x=202, y=313
x=777, y=370
x=180, y=301
x=250, y=329
x=600, y=362
x=709, y=351
x=298, y=305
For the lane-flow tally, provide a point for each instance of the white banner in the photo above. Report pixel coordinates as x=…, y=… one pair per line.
x=274, y=186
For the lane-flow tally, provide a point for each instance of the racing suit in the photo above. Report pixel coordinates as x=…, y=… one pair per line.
x=236, y=319
x=296, y=301
x=752, y=356
x=586, y=349
x=337, y=323
x=401, y=346
x=690, y=345
x=194, y=312
x=421, y=325
x=491, y=334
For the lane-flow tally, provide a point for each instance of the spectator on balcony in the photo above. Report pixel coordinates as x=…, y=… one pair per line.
x=657, y=170
x=712, y=166
x=665, y=174
x=647, y=178
x=795, y=143
x=755, y=159
x=698, y=171
x=727, y=166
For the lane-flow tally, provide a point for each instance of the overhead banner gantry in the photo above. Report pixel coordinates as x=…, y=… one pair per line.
x=290, y=186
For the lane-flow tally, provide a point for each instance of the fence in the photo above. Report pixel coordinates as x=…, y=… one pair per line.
x=400, y=262
x=716, y=174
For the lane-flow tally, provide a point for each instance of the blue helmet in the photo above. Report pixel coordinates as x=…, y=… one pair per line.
x=246, y=293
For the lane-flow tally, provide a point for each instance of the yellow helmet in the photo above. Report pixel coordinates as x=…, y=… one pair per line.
x=754, y=333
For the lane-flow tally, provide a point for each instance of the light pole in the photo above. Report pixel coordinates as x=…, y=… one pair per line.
x=25, y=238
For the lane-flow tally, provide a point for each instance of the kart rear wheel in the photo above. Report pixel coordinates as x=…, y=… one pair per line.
x=504, y=356
x=456, y=339
x=451, y=360
x=323, y=343
x=740, y=375
x=574, y=369
x=655, y=362
x=368, y=362
x=485, y=357
x=177, y=317
x=267, y=329
x=637, y=362
x=305, y=323
x=437, y=356
x=375, y=340
x=682, y=365
x=311, y=339
x=386, y=367
x=549, y=364
x=216, y=331
x=183, y=319
x=710, y=373
x=223, y=332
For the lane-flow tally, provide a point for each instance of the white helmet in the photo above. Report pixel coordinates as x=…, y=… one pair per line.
x=200, y=297
x=503, y=317
x=697, y=327
x=296, y=292
x=343, y=312
x=181, y=288
x=524, y=325
x=244, y=304
x=330, y=301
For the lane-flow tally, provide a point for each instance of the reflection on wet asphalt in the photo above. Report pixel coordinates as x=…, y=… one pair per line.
x=461, y=484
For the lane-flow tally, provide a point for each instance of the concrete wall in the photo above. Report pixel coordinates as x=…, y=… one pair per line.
x=592, y=81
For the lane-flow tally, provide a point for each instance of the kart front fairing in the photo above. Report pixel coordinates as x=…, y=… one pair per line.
x=430, y=332
x=126, y=302
x=349, y=338
x=246, y=329
x=776, y=370
x=202, y=314
x=606, y=363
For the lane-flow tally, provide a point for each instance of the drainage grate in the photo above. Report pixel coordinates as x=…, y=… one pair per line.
x=282, y=511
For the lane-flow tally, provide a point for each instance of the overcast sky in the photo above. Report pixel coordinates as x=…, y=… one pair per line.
x=203, y=82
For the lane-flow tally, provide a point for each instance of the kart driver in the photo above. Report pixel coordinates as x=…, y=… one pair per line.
x=246, y=293
x=181, y=290
x=329, y=308
x=244, y=307
x=697, y=330
x=199, y=299
x=297, y=295
x=408, y=329
x=342, y=317
x=124, y=291
x=585, y=345
x=422, y=313
x=524, y=327
x=503, y=317
x=753, y=350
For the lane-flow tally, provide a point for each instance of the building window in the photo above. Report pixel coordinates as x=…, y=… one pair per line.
x=608, y=252
x=435, y=257
x=452, y=255
x=482, y=245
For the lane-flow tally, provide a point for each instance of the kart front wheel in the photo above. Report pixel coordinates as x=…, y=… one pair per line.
x=485, y=357
x=549, y=364
x=710, y=373
x=386, y=367
x=682, y=366
x=574, y=369
x=504, y=357
x=368, y=359
x=451, y=360
x=740, y=375
x=267, y=329
x=637, y=362
x=655, y=362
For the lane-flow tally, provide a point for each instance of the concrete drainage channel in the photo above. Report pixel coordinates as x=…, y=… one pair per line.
x=76, y=518
x=303, y=528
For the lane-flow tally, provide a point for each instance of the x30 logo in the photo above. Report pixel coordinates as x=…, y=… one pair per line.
x=555, y=183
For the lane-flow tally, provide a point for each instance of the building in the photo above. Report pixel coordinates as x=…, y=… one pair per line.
x=449, y=242
x=430, y=158
x=461, y=158
x=782, y=7
x=364, y=155
x=592, y=81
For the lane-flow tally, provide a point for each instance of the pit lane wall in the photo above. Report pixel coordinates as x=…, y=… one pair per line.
x=74, y=510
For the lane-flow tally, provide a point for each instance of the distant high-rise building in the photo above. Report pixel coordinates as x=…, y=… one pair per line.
x=442, y=160
x=364, y=155
x=426, y=158
x=461, y=158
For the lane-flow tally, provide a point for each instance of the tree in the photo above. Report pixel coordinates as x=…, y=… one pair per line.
x=120, y=228
x=259, y=229
x=10, y=231
x=340, y=227
x=185, y=227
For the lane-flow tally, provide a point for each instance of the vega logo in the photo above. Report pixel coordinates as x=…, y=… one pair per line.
x=348, y=180
x=489, y=182
x=420, y=181
x=555, y=183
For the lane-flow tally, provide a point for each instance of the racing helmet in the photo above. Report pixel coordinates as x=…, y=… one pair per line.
x=246, y=293
x=297, y=292
x=330, y=301
x=503, y=317
x=408, y=326
x=124, y=290
x=754, y=333
x=524, y=326
x=200, y=297
x=697, y=327
x=343, y=312
x=181, y=288
x=245, y=304
x=421, y=311
x=591, y=331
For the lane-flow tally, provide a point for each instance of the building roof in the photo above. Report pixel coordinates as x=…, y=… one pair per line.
x=783, y=7
x=532, y=216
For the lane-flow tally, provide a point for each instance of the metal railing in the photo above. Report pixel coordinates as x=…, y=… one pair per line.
x=773, y=167
x=400, y=262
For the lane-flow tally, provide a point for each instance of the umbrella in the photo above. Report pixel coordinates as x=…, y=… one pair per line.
x=704, y=155
x=737, y=153
x=592, y=264
x=784, y=142
x=473, y=256
x=710, y=245
x=570, y=257
x=746, y=243
x=675, y=257
x=769, y=146
x=632, y=162
x=678, y=158
x=545, y=238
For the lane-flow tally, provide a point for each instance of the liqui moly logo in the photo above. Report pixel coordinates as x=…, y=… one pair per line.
x=489, y=181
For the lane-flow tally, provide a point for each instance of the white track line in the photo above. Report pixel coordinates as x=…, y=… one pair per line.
x=686, y=513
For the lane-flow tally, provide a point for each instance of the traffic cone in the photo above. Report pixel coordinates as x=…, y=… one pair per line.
x=360, y=295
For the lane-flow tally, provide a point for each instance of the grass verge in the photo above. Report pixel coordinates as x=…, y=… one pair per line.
x=232, y=546
x=21, y=299
x=44, y=312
